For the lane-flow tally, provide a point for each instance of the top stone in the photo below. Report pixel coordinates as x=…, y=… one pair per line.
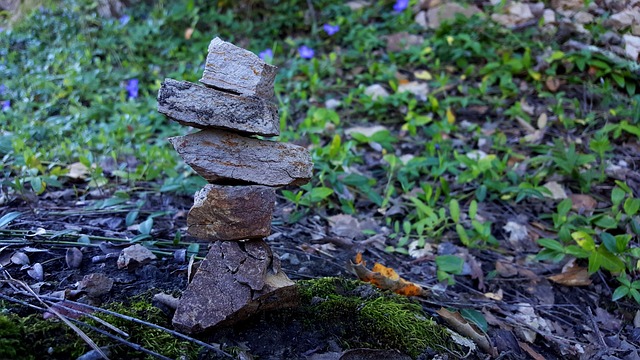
x=238, y=71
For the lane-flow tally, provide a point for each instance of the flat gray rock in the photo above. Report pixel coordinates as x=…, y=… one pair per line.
x=227, y=158
x=202, y=107
x=236, y=70
x=232, y=212
x=234, y=281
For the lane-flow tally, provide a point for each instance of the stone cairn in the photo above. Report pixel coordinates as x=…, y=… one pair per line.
x=240, y=275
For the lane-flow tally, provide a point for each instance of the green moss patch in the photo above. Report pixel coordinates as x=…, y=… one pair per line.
x=362, y=316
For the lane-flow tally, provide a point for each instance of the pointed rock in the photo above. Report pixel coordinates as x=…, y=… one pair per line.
x=234, y=281
x=236, y=70
x=226, y=158
x=202, y=107
x=232, y=212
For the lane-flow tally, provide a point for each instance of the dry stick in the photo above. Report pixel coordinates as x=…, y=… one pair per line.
x=80, y=333
x=100, y=331
x=126, y=317
x=128, y=343
x=95, y=318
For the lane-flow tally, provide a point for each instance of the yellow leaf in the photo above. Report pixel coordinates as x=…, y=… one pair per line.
x=423, y=75
x=451, y=117
x=450, y=40
x=427, y=50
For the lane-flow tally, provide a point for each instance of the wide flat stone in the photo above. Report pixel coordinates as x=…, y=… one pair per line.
x=202, y=107
x=232, y=212
x=227, y=158
x=236, y=70
x=234, y=281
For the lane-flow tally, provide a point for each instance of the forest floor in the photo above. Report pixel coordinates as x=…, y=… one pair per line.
x=493, y=159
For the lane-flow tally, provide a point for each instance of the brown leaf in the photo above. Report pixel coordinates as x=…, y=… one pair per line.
x=552, y=84
x=506, y=270
x=464, y=328
x=574, y=276
x=583, y=203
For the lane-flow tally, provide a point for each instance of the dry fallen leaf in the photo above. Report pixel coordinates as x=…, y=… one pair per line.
x=557, y=191
x=583, y=203
x=385, y=278
x=462, y=326
x=497, y=296
x=552, y=84
x=574, y=276
x=187, y=33
x=77, y=171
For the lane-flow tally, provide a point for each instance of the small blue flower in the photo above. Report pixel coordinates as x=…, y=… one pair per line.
x=266, y=55
x=306, y=52
x=132, y=88
x=331, y=29
x=124, y=19
x=6, y=105
x=400, y=5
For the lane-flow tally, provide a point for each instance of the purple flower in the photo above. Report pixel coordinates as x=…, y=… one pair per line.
x=124, y=19
x=331, y=29
x=6, y=105
x=132, y=88
x=266, y=54
x=400, y=5
x=306, y=52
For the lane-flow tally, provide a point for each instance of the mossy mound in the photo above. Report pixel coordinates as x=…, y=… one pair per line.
x=363, y=316
x=51, y=339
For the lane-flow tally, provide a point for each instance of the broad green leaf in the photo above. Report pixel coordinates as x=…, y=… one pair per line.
x=609, y=261
x=576, y=251
x=475, y=317
x=609, y=242
x=631, y=206
x=146, y=226
x=193, y=249
x=454, y=209
x=551, y=244
x=450, y=264
x=462, y=233
x=617, y=195
x=606, y=222
x=595, y=262
x=635, y=294
x=473, y=209
x=564, y=206
x=619, y=293
x=8, y=218
x=318, y=194
x=584, y=240
x=37, y=185
x=131, y=217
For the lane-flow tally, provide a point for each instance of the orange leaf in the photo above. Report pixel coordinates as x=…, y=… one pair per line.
x=385, y=278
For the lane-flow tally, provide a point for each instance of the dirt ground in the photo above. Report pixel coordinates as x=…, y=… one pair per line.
x=593, y=327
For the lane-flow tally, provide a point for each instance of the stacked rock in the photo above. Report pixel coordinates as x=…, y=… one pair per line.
x=240, y=274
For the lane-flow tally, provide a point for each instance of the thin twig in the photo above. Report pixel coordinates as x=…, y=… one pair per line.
x=126, y=317
x=97, y=319
x=78, y=331
x=134, y=346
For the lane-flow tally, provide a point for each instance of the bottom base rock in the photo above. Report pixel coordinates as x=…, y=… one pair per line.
x=234, y=281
